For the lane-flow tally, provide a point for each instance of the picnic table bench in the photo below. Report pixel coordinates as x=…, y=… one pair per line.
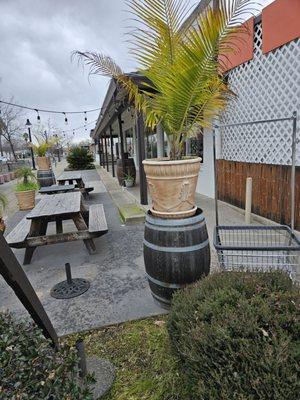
x=31, y=231
x=54, y=189
x=70, y=177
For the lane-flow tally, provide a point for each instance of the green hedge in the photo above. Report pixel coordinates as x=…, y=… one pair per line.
x=31, y=369
x=80, y=158
x=238, y=336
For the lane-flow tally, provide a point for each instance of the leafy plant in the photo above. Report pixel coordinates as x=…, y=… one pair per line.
x=41, y=149
x=181, y=85
x=129, y=178
x=80, y=158
x=31, y=369
x=237, y=336
x=28, y=179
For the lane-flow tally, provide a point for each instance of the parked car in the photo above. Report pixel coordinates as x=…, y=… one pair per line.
x=3, y=159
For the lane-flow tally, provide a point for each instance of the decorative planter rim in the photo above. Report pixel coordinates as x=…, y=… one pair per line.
x=166, y=161
x=25, y=191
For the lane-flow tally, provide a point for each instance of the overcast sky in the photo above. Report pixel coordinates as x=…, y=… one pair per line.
x=36, y=40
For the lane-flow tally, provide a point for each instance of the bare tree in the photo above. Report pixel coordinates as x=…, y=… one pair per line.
x=11, y=126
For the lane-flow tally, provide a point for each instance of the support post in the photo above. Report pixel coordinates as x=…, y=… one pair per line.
x=16, y=278
x=141, y=149
x=293, y=169
x=215, y=176
x=122, y=146
x=248, y=202
x=160, y=141
x=106, y=153
x=112, y=149
x=99, y=151
x=103, y=156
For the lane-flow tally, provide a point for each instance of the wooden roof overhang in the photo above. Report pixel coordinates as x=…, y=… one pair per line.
x=115, y=102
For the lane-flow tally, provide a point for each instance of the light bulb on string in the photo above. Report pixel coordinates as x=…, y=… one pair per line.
x=85, y=117
x=38, y=117
x=73, y=132
x=66, y=119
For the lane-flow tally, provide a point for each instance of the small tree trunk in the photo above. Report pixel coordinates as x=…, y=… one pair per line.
x=12, y=150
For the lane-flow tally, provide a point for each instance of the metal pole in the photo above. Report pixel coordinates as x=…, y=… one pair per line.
x=293, y=169
x=215, y=176
x=68, y=273
x=31, y=149
x=112, y=149
x=82, y=360
x=248, y=201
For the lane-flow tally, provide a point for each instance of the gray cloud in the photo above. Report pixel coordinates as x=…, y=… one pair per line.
x=36, y=40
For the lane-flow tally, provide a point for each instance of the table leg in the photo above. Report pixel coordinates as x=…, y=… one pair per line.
x=59, y=226
x=81, y=226
x=38, y=227
x=70, y=181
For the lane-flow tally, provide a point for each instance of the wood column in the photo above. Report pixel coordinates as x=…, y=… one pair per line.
x=140, y=131
x=122, y=146
x=112, y=149
x=102, y=152
x=99, y=151
x=106, y=153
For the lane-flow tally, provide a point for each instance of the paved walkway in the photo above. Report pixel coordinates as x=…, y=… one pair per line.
x=119, y=289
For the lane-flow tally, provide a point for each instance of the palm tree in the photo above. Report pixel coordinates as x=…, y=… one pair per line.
x=183, y=86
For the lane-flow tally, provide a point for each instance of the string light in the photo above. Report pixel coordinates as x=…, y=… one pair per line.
x=38, y=117
x=85, y=117
x=48, y=111
x=66, y=119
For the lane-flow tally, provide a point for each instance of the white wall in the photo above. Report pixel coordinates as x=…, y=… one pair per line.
x=205, y=183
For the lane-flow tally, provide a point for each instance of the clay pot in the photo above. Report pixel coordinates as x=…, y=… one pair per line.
x=2, y=225
x=172, y=186
x=43, y=163
x=26, y=199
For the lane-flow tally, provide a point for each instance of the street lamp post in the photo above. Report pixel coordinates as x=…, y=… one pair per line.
x=28, y=124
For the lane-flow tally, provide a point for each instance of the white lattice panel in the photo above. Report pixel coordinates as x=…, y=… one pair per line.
x=267, y=87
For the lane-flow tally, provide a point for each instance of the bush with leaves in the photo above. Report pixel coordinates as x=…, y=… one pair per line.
x=238, y=336
x=27, y=179
x=31, y=369
x=80, y=158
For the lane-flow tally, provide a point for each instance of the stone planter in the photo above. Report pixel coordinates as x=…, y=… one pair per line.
x=43, y=163
x=26, y=199
x=172, y=186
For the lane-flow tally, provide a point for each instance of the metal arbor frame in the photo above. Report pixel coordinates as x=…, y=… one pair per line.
x=293, y=119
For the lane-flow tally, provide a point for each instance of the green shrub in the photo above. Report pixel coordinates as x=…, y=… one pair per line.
x=30, y=368
x=80, y=158
x=238, y=336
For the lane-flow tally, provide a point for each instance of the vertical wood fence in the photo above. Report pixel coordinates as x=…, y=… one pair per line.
x=270, y=190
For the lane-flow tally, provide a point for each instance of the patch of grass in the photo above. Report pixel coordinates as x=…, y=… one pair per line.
x=140, y=350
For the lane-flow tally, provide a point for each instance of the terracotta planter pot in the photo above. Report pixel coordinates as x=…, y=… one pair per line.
x=43, y=163
x=172, y=186
x=26, y=199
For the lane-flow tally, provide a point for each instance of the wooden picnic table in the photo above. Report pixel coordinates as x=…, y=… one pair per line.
x=31, y=231
x=70, y=176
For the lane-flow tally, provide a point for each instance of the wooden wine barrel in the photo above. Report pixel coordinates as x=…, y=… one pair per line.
x=45, y=178
x=130, y=169
x=176, y=253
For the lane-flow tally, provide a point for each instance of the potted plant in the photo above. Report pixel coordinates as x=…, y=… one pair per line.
x=40, y=150
x=129, y=180
x=181, y=86
x=25, y=189
x=3, y=203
